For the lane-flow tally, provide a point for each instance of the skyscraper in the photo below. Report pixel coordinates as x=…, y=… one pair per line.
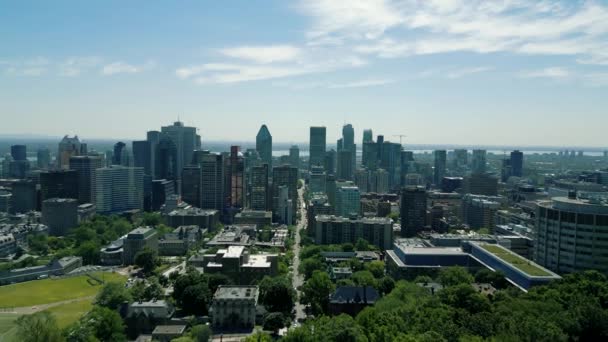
x=68, y=147
x=235, y=179
x=185, y=140
x=59, y=183
x=118, y=155
x=192, y=185
x=317, y=146
x=43, y=158
x=285, y=176
x=479, y=161
x=329, y=162
x=86, y=167
x=460, y=159
x=166, y=159
x=517, y=163
x=345, y=165
x=260, y=196
x=413, y=210
x=294, y=156
x=348, y=201
x=19, y=152
x=119, y=188
x=142, y=155
x=439, y=171
x=263, y=144
x=367, y=138
x=212, y=181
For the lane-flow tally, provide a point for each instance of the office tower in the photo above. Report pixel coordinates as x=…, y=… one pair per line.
x=68, y=147
x=505, y=171
x=571, y=234
x=348, y=201
x=390, y=160
x=284, y=210
x=378, y=231
x=379, y=181
x=294, y=156
x=413, y=210
x=480, y=184
x=166, y=159
x=329, y=162
x=153, y=139
x=260, y=191
x=348, y=144
x=285, y=175
x=362, y=180
x=60, y=215
x=479, y=211
x=212, y=181
x=367, y=138
x=263, y=144
x=479, y=161
x=413, y=179
x=18, y=168
x=460, y=159
x=142, y=155
x=162, y=190
x=185, y=141
x=192, y=185
x=119, y=188
x=24, y=196
x=117, y=156
x=318, y=180
x=43, y=158
x=19, y=152
x=517, y=163
x=86, y=167
x=407, y=161
x=59, y=184
x=5, y=204
x=317, y=146
x=235, y=179
x=345, y=165
x=6, y=162
x=440, y=163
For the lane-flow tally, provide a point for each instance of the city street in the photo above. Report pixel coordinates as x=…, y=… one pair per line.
x=298, y=279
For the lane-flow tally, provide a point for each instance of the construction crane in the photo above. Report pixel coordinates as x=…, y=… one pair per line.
x=401, y=136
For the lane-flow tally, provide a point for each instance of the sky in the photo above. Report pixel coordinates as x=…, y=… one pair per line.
x=511, y=72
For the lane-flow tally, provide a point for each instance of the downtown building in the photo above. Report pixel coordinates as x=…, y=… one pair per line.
x=263, y=144
x=330, y=229
x=317, y=146
x=413, y=210
x=119, y=189
x=286, y=176
x=86, y=167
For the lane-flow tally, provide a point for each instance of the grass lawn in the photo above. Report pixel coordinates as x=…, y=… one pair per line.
x=69, y=313
x=50, y=290
x=7, y=323
x=515, y=260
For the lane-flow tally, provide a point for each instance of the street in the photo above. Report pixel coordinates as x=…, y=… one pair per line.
x=298, y=279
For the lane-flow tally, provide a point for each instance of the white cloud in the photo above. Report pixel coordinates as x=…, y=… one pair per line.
x=467, y=71
x=74, y=66
x=552, y=72
x=361, y=83
x=263, y=54
x=125, y=68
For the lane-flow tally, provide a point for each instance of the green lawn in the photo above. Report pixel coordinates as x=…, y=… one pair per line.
x=69, y=313
x=515, y=260
x=50, y=290
x=7, y=323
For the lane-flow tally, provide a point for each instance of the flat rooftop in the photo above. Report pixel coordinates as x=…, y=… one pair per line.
x=236, y=292
x=515, y=260
x=234, y=251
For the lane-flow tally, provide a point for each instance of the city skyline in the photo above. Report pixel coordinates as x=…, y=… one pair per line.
x=438, y=71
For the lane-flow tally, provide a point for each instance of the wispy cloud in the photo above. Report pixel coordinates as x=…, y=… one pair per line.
x=33, y=67
x=458, y=73
x=121, y=67
x=263, y=54
x=552, y=72
x=74, y=66
x=361, y=84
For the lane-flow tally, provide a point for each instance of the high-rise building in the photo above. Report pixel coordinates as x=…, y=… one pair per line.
x=345, y=165
x=460, y=159
x=479, y=211
x=348, y=139
x=480, y=184
x=479, y=161
x=118, y=157
x=378, y=231
x=19, y=152
x=348, y=201
x=367, y=138
x=68, y=147
x=517, y=163
x=142, y=155
x=285, y=175
x=119, y=188
x=329, y=162
x=379, y=182
x=260, y=191
x=294, y=156
x=212, y=181
x=263, y=144
x=24, y=196
x=43, y=158
x=440, y=164
x=166, y=159
x=192, y=185
x=318, y=180
x=571, y=234
x=235, y=179
x=413, y=210
x=18, y=168
x=185, y=141
x=362, y=180
x=317, y=146
x=86, y=167
x=162, y=191
x=60, y=215
x=284, y=211
x=59, y=184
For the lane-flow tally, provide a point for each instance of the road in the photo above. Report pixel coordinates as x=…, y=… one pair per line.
x=298, y=279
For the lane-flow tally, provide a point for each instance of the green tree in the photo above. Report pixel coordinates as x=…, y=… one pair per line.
x=464, y=296
x=38, y=327
x=310, y=265
x=101, y=324
x=277, y=294
x=450, y=276
x=258, y=337
x=153, y=289
x=316, y=291
x=195, y=299
x=90, y=252
x=364, y=278
x=38, y=243
x=274, y=321
x=348, y=247
x=362, y=245
x=386, y=285
x=201, y=333
x=376, y=268
x=138, y=290
x=112, y=295
x=496, y=279
x=147, y=259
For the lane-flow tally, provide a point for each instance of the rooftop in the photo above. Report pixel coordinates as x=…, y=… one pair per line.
x=524, y=265
x=169, y=330
x=236, y=292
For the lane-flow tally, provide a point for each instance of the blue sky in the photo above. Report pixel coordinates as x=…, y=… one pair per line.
x=443, y=71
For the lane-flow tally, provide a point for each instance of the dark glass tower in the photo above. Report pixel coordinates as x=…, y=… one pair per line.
x=263, y=144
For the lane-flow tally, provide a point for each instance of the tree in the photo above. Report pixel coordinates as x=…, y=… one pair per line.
x=38, y=327
x=112, y=295
x=455, y=275
x=274, y=321
x=376, y=268
x=362, y=245
x=364, y=278
x=101, y=324
x=216, y=279
x=147, y=259
x=258, y=337
x=310, y=265
x=423, y=279
x=38, y=243
x=386, y=285
x=277, y=294
x=89, y=251
x=200, y=333
x=138, y=290
x=348, y=247
x=316, y=291
x=153, y=290
x=464, y=296
x=496, y=279
x=195, y=299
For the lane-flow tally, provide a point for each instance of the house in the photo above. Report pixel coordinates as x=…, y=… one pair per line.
x=234, y=307
x=144, y=317
x=352, y=299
